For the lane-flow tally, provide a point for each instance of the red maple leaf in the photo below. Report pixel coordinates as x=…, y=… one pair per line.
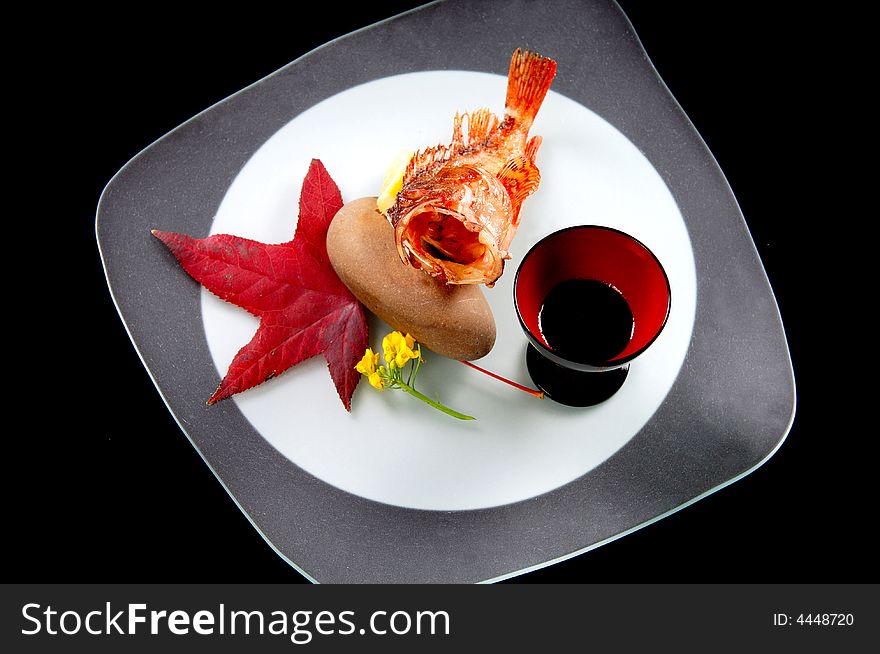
x=303, y=307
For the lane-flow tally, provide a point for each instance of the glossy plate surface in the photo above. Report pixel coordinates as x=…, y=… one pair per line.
x=396, y=492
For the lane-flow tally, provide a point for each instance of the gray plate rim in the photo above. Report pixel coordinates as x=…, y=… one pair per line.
x=606, y=10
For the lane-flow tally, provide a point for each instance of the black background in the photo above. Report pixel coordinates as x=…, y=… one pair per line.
x=102, y=484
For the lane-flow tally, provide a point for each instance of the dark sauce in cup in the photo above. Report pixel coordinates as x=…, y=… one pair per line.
x=586, y=321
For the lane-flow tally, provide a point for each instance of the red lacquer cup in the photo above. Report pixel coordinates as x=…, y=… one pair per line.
x=610, y=258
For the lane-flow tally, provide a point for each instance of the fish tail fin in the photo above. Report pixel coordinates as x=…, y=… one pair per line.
x=528, y=81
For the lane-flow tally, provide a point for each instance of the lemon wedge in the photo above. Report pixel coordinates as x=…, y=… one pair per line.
x=393, y=181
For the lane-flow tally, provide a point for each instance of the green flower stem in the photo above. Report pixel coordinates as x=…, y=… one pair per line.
x=413, y=371
x=434, y=403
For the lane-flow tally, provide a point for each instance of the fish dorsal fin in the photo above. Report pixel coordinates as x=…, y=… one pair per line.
x=473, y=128
x=468, y=130
x=520, y=176
x=425, y=159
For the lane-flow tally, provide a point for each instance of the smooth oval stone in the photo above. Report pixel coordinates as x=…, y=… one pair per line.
x=452, y=320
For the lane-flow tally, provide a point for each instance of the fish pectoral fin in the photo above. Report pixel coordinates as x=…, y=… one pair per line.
x=532, y=147
x=521, y=177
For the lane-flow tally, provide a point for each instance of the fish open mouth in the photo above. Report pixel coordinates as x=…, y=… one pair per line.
x=446, y=238
x=445, y=244
x=454, y=230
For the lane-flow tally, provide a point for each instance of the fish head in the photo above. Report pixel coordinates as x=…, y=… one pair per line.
x=451, y=224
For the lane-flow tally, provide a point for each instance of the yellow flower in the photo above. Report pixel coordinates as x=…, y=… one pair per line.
x=398, y=349
x=367, y=365
x=389, y=346
x=376, y=380
x=413, y=353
